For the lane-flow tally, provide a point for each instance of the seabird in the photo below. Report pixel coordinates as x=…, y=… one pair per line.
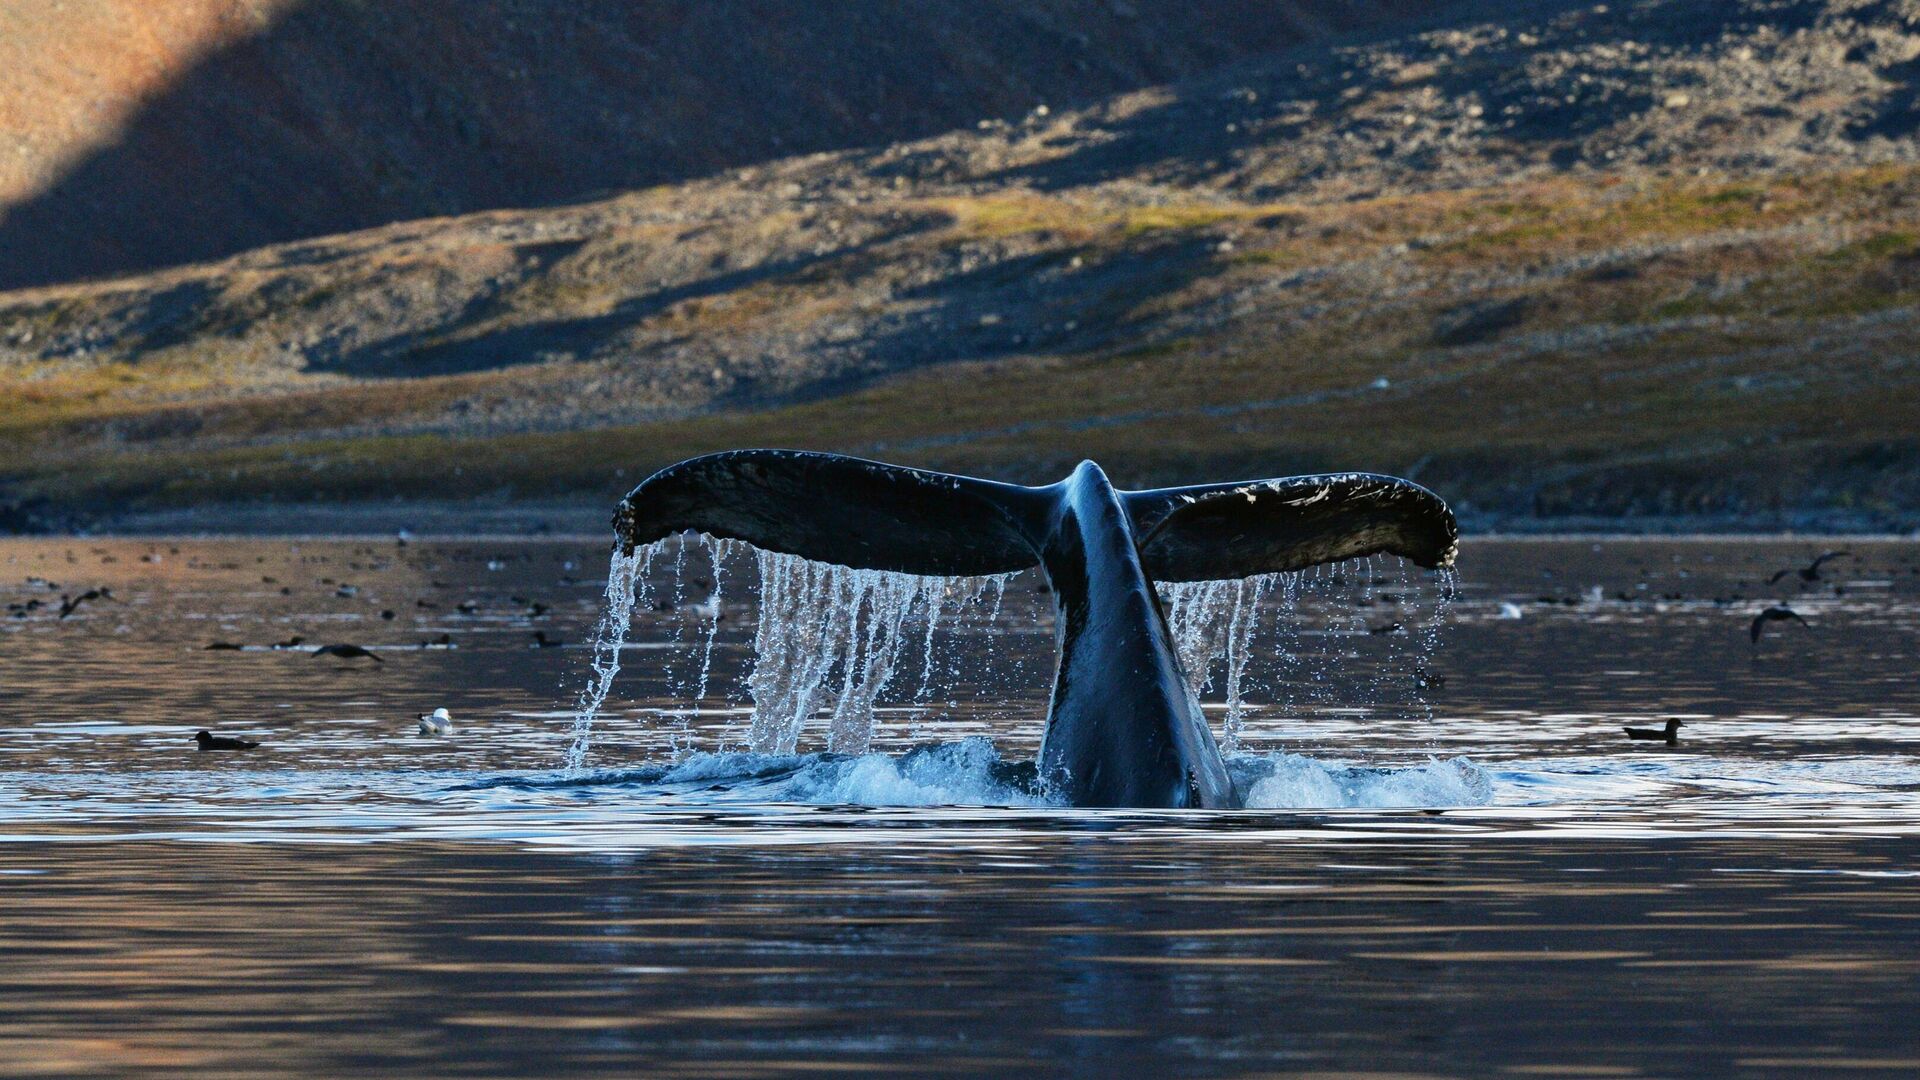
x=291, y=643
x=346, y=652
x=223, y=646
x=542, y=641
x=1669, y=734
x=209, y=741
x=1810, y=573
x=437, y=722
x=1776, y=613
x=68, y=605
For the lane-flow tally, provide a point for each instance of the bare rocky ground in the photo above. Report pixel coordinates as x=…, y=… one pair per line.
x=1654, y=261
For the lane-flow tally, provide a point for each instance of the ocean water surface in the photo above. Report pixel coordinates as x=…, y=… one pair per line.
x=1453, y=863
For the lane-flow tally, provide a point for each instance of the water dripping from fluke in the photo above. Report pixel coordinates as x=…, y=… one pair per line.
x=831, y=645
x=853, y=557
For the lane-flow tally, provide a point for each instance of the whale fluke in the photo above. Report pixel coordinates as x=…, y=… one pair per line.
x=1122, y=728
x=835, y=509
x=1217, y=532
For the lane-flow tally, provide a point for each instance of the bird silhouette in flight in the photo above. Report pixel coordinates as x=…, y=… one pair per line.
x=1810, y=573
x=1776, y=613
x=69, y=605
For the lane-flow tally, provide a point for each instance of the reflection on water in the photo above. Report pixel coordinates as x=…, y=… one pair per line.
x=1553, y=900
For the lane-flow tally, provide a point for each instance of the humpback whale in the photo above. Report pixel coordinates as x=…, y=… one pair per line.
x=1123, y=729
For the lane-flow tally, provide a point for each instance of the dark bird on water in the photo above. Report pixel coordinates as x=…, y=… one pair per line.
x=70, y=604
x=1669, y=734
x=346, y=652
x=1776, y=613
x=209, y=741
x=542, y=641
x=224, y=646
x=1810, y=573
x=291, y=643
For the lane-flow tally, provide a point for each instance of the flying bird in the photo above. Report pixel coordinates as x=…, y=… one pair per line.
x=209, y=741
x=1776, y=613
x=69, y=605
x=1669, y=734
x=346, y=652
x=1810, y=573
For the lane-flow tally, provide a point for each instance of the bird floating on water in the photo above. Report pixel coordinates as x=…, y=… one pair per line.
x=223, y=646
x=1669, y=734
x=346, y=652
x=209, y=741
x=1810, y=573
x=291, y=643
x=542, y=641
x=437, y=722
x=1776, y=613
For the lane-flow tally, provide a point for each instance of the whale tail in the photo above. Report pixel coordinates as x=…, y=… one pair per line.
x=1123, y=727
x=874, y=516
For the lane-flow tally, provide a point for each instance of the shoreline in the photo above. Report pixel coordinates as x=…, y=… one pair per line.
x=581, y=520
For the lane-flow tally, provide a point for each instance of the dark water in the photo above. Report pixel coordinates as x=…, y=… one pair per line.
x=1472, y=879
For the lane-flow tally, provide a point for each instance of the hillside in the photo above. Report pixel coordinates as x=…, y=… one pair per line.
x=1647, y=261
x=144, y=134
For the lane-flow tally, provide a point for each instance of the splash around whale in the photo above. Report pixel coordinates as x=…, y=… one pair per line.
x=1124, y=726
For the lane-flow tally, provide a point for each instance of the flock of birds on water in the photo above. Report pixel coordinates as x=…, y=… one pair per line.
x=440, y=722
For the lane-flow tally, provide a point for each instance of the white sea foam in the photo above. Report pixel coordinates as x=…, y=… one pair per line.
x=971, y=772
x=968, y=772
x=1292, y=781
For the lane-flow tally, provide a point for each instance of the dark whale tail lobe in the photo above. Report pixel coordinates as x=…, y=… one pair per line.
x=834, y=509
x=874, y=516
x=1218, y=532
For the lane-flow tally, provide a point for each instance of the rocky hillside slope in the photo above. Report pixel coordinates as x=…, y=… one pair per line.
x=144, y=134
x=1658, y=259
